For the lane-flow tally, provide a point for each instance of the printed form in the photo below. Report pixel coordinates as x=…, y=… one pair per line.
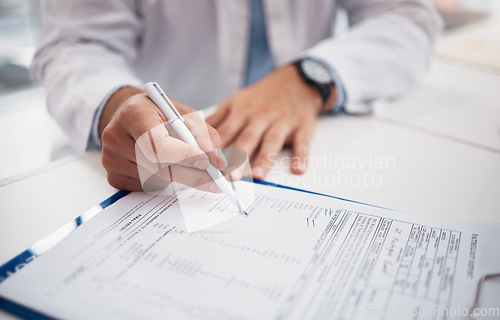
x=295, y=256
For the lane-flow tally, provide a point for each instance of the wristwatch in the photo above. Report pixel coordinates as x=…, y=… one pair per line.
x=317, y=75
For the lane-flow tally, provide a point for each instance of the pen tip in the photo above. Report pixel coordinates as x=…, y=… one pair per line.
x=245, y=213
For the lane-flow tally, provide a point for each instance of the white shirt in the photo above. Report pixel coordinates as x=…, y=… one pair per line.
x=196, y=49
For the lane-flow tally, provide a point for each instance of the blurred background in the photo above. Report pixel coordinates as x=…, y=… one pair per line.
x=31, y=138
x=19, y=34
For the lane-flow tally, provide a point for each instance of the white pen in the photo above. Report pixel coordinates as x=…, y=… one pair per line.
x=175, y=120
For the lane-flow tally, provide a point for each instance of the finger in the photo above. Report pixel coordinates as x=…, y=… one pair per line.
x=238, y=164
x=272, y=144
x=190, y=177
x=201, y=132
x=230, y=127
x=222, y=111
x=207, y=137
x=118, y=165
x=161, y=176
x=145, y=125
x=300, y=145
x=125, y=151
x=125, y=173
x=250, y=137
x=124, y=182
x=118, y=142
x=156, y=146
x=217, y=158
x=194, y=178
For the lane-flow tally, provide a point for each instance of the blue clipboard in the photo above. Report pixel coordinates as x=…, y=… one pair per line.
x=29, y=255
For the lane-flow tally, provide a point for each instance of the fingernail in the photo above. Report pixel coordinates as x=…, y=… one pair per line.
x=215, y=188
x=258, y=172
x=222, y=161
x=201, y=164
x=301, y=165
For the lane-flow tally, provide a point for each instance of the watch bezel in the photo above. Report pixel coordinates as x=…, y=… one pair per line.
x=305, y=65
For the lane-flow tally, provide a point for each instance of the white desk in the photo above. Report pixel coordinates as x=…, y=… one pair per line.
x=25, y=121
x=37, y=204
x=432, y=176
x=454, y=102
x=438, y=168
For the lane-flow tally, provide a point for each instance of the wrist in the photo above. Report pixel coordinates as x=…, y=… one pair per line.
x=311, y=93
x=114, y=103
x=328, y=105
x=318, y=75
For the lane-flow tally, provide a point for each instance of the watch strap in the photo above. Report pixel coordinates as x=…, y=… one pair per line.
x=324, y=89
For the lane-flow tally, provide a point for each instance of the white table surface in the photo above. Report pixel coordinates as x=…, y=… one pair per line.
x=454, y=102
x=28, y=132
x=441, y=147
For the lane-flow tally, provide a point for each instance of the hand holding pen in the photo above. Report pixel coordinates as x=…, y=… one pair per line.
x=128, y=115
x=177, y=124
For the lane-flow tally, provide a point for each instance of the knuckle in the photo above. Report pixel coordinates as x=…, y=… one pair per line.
x=277, y=105
x=231, y=126
x=109, y=136
x=212, y=132
x=130, y=113
x=128, y=109
x=229, y=129
x=123, y=183
x=106, y=160
x=264, y=114
x=115, y=181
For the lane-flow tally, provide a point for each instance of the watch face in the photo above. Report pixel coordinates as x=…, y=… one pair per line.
x=315, y=71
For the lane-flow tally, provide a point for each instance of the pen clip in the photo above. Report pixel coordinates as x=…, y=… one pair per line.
x=169, y=103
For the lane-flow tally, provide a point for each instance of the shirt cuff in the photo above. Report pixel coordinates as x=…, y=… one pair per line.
x=94, y=140
x=341, y=98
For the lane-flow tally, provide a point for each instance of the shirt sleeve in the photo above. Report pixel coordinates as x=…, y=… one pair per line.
x=385, y=52
x=94, y=140
x=88, y=50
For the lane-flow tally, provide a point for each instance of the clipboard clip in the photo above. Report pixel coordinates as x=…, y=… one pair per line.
x=480, y=285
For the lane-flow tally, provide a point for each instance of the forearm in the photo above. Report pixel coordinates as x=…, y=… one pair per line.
x=78, y=67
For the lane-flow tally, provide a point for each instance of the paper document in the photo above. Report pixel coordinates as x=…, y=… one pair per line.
x=295, y=256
